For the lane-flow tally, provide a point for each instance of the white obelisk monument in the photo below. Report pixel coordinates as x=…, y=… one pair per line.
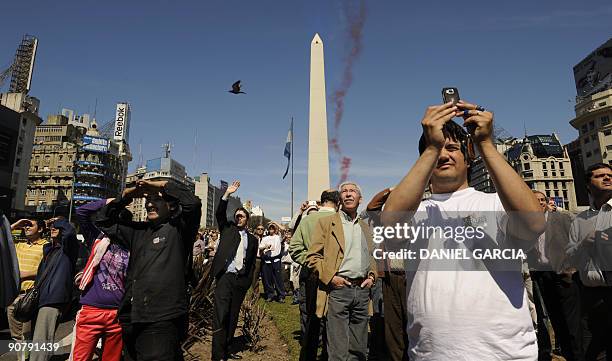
x=318, y=154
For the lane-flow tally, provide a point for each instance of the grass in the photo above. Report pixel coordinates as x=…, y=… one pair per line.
x=286, y=317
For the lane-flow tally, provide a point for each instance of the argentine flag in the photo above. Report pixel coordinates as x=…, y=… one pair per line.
x=287, y=152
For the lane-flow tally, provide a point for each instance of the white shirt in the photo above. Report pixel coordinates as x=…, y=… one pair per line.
x=457, y=314
x=274, y=242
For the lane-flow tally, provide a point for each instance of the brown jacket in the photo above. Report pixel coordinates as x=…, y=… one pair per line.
x=326, y=254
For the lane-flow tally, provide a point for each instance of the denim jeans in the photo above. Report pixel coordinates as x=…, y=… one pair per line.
x=347, y=323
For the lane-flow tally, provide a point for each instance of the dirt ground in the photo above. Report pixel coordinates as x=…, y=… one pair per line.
x=274, y=348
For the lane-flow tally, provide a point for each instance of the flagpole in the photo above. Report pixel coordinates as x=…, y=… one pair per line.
x=292, y=155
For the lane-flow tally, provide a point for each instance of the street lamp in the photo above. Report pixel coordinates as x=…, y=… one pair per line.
x=74, y=170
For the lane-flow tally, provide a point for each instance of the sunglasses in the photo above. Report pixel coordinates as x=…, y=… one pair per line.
x=260, y=229
x=239, y=215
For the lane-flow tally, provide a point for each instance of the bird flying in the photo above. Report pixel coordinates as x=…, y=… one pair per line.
x=236, y=88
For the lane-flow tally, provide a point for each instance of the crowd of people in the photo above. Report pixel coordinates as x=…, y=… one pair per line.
x=354, y=305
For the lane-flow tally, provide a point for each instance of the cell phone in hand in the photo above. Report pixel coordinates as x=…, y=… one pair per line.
x=450, y=94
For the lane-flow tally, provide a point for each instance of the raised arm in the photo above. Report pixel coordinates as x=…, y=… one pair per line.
x=407, y=196
x=526, y=221
x=221, y=213
x=107, y=219
x=84, y=215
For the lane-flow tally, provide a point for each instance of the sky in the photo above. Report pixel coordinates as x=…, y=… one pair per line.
x=175, y=60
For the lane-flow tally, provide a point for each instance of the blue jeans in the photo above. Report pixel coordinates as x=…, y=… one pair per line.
x=347, y=323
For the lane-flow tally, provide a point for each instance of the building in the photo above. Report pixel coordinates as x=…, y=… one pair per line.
x=9, y=131
x=23, y=109
x=545, y=166
x=158, y=169
x=83, y=121
x=210, y=196
x=593, y=109
x=479, y=175
x=69, y=160
x=594, y=128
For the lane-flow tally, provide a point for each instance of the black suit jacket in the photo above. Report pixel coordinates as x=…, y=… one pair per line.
x=229, y=240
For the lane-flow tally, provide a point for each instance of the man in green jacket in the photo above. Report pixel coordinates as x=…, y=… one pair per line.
x=298, y=248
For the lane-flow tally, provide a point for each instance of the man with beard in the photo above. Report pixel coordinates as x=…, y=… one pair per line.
x=153, y=312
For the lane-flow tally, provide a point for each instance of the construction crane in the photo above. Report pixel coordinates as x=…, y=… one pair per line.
x=22, y=67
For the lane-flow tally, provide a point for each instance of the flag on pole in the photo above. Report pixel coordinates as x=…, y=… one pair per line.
x=287, y=152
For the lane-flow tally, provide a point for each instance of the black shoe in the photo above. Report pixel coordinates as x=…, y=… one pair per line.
x=234, y=356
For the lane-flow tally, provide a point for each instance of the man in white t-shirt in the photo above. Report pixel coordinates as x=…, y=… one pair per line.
x=465, y=308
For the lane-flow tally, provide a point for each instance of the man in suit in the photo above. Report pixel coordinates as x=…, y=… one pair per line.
x=341, y=255
x=559, y=291
x=232, y=268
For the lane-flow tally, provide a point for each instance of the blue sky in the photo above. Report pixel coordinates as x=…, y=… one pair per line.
x=174, y=60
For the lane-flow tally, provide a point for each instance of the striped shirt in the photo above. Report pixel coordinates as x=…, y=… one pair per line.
x=29, y=256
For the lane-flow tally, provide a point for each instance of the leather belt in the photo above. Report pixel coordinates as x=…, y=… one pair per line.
x=355, y=281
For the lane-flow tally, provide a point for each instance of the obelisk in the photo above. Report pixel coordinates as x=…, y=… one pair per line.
x=318, y=154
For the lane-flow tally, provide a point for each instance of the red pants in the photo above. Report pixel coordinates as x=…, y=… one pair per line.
x=93, y=323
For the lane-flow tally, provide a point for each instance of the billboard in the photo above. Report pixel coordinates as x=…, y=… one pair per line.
x=594, y=73
x=95, y=144
x=122, y=122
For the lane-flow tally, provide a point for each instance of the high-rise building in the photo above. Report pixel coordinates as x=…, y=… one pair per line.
x=545, y=166
x=25, y=109
x=210, y=196
x=592, y=121
x=593, y=77
x=9, y=131
x=71, y=165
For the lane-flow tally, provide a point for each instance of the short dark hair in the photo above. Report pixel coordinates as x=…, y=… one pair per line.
x=594, y=167
x=42, y=225
x=248, y=215
x=453, y=131
x=330, y=195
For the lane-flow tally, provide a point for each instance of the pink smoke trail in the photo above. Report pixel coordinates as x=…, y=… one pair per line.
x=354, y=32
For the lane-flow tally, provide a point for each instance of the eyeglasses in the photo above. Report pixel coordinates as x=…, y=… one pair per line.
x=260, y=229
x=239, y=215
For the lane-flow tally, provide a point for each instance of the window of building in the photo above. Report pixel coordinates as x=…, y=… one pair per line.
x=564, y=194
x=591, y=125
x=588, y=154
x=586, y=140
x=593, y=136
x=605, y=120
x=545, y=174
x=546, y=185
x=584, y=129
x=562, y=173
x=607, y=132
x=527, y=166
x=543, y=165
x=602, y=104
x=554, y=174
x=43, y=192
